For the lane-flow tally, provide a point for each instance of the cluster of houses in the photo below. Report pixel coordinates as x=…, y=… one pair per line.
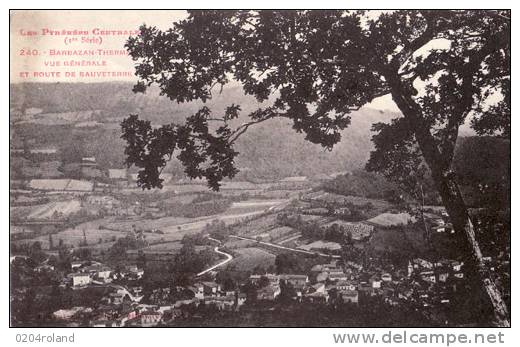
x=442, y=225
x=423, y=283
x=122, y=305
x=87, y=273
x=318, y=287
x=118, y=316
x=430, y=283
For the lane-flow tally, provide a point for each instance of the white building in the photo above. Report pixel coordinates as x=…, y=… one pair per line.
x=80, y=280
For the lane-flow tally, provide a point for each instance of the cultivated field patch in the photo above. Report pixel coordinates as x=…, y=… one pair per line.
x=249, y=258
x=392, y=219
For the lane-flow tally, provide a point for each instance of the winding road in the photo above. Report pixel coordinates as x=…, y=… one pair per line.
x=229, y=257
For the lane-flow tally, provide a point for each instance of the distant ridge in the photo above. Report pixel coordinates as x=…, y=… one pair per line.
x=269, y=150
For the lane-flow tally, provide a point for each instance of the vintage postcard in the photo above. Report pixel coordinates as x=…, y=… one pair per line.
x=260, y=168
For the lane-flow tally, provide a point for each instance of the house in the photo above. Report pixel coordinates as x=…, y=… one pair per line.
x=80, y=280
x=44, y=268
x=456, y=265
x=375, y=282
x=269, y=292
x=439, y=228
x=66, y=314
x=352, y=265
x=133, y=271
x=317, y=297
x=428, y=276
x=98, y=271
x=386, y=277
x=337, y=276
x=135, y=290
x=349, y=296
x=106, y=313
x=222, y=302
x=211, y=288
x=129, y=314
x=150, y=317
x=229, y=293
x=116, y=298
x=367, y=289
x=273, y=279
x=297, y=281
x=345, y=285
x=198, y=290
x=421, y=263
x=442, y=275
x=76, y=265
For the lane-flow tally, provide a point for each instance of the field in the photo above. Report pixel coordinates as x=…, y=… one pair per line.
x=333, y=246
x=258, y=225
x=189, y=188
x=45, y=211
x=359, y=230
x=61, y=184
x=392, y=219
x=166, y=248
x=60, y=118
x=74, y=236
x=248, y=258
x=233, y=243
x=128, y=223
x=15, y=229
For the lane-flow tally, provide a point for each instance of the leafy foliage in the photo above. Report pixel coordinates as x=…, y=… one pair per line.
x=201, y=153
x=315, y=67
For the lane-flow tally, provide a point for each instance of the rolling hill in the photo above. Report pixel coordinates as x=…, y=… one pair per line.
x=82, y=119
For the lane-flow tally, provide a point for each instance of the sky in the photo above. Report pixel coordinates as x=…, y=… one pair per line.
x=31, y=59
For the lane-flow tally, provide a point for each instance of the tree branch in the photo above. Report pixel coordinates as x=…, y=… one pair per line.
x=243, y=128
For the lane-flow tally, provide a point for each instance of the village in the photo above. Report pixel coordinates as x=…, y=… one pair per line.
x=425, y=285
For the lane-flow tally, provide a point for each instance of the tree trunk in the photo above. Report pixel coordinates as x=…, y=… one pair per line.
x=450, y=194
x=458, y=212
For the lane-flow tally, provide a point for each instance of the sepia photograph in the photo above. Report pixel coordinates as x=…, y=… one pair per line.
x=260, y=168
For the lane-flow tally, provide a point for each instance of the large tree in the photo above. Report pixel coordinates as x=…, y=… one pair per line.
x=315, y=68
